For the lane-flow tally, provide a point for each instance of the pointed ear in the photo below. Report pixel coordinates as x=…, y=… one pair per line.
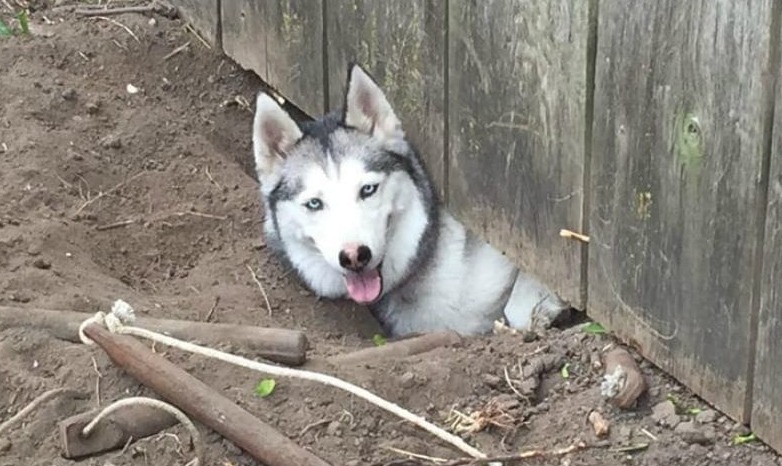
x=274, y=133
x=366, y=107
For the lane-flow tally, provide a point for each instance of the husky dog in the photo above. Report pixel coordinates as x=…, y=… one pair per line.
x=351, y=208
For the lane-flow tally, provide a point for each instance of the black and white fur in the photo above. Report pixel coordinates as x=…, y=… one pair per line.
x=351, y=182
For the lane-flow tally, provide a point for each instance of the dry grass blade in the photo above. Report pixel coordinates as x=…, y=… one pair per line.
x=106, y=193
x=260, y=287
x=117, y=23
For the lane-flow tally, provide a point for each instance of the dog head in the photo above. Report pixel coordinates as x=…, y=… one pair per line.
x=346, y=194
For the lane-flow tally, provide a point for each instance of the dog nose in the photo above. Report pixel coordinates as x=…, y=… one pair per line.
x=355, y=257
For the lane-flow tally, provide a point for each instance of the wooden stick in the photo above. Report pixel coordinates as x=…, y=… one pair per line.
x=201, y=402
x=117, y=430
x=278, y=345
x=398, y=349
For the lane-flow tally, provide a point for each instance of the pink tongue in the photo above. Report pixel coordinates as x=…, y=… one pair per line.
x=364, y=287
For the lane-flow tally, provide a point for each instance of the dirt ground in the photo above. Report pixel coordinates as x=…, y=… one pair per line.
x=79, y=153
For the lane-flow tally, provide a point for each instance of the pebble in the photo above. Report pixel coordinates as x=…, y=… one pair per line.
x=42, y=264
x=665, y=414
x=706, y=416
x=92, y=107
x=692, y=433
x=334, y=429
x=111, y=142
x=69, y=94
x=491, y=380
x=407, y=380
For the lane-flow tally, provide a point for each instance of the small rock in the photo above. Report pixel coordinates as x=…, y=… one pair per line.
x=692, y=433
x=69, y=94
x=706, y=416
x=407, y=380
x=5, y=444
x=491, y=380
x=152, y=22
x=35, y=248
x=334, y=429
x=111, y=142
x=42, y=264
x=665, y=414
x=93, y=107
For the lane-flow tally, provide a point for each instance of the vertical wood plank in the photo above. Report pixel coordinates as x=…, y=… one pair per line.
x=677, y=154
x=203, y=15
x=767, y=390
x=517, y=88
x=282, y=41
x=402, y=44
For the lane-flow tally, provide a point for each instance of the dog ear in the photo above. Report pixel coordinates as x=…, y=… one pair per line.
x=366, y=107
x=274, y=133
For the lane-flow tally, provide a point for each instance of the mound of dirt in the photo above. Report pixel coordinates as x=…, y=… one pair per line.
x=109, y=194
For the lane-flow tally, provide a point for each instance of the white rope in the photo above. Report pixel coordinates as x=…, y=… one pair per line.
x=195, y=438
x=44, y=397
x=122, y=314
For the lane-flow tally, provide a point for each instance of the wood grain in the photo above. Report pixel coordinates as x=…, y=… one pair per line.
x=677, y=155
x=517, y=87
x=281, y=41
x=402, y=44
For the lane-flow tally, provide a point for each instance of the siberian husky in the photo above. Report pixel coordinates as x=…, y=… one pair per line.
x=351, y=208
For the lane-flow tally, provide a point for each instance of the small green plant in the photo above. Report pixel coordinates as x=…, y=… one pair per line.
x=565, y=371
x=594, y=328
x=23, y=19
x=379, y=340
x=742, y=439
x=265, y=387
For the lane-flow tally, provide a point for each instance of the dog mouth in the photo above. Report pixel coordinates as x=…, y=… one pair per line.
x=366, y=286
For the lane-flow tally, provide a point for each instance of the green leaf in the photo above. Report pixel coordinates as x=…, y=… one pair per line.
x=594, y=328
x=24, y=21
x=5, y=31
x=742, y=439
x=379, y=340
x=265, y=387
x=694, y=410
x=565, y=372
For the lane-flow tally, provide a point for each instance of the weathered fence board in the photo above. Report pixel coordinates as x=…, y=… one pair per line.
x=767, y=390
x=402, y=44
x=282, y=41
x=678, y=148
x=516, y=94
x=204, y=15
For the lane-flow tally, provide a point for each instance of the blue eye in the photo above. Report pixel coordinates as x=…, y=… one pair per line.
x=368, y=190
x=314, y=204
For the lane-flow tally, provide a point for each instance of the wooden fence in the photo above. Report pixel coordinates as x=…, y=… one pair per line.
x=648, y=125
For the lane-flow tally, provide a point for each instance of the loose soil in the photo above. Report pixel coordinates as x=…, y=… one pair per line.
x=79, y=153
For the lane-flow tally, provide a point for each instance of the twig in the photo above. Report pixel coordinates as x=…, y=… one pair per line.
x=510, y=384
x=209, y=175
x=154, y=7
x=260, y=286
x=649, y=434
x=44, y=397
x=114, y=225
x=212, y=310
x=106, y=193
x=573, y=235
x=532, y=454
x=192, y=30
x=177, y=50
x=418, y=456
x=115, y=22
x=115, y=11
x=313, y=425
x=97, y=381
